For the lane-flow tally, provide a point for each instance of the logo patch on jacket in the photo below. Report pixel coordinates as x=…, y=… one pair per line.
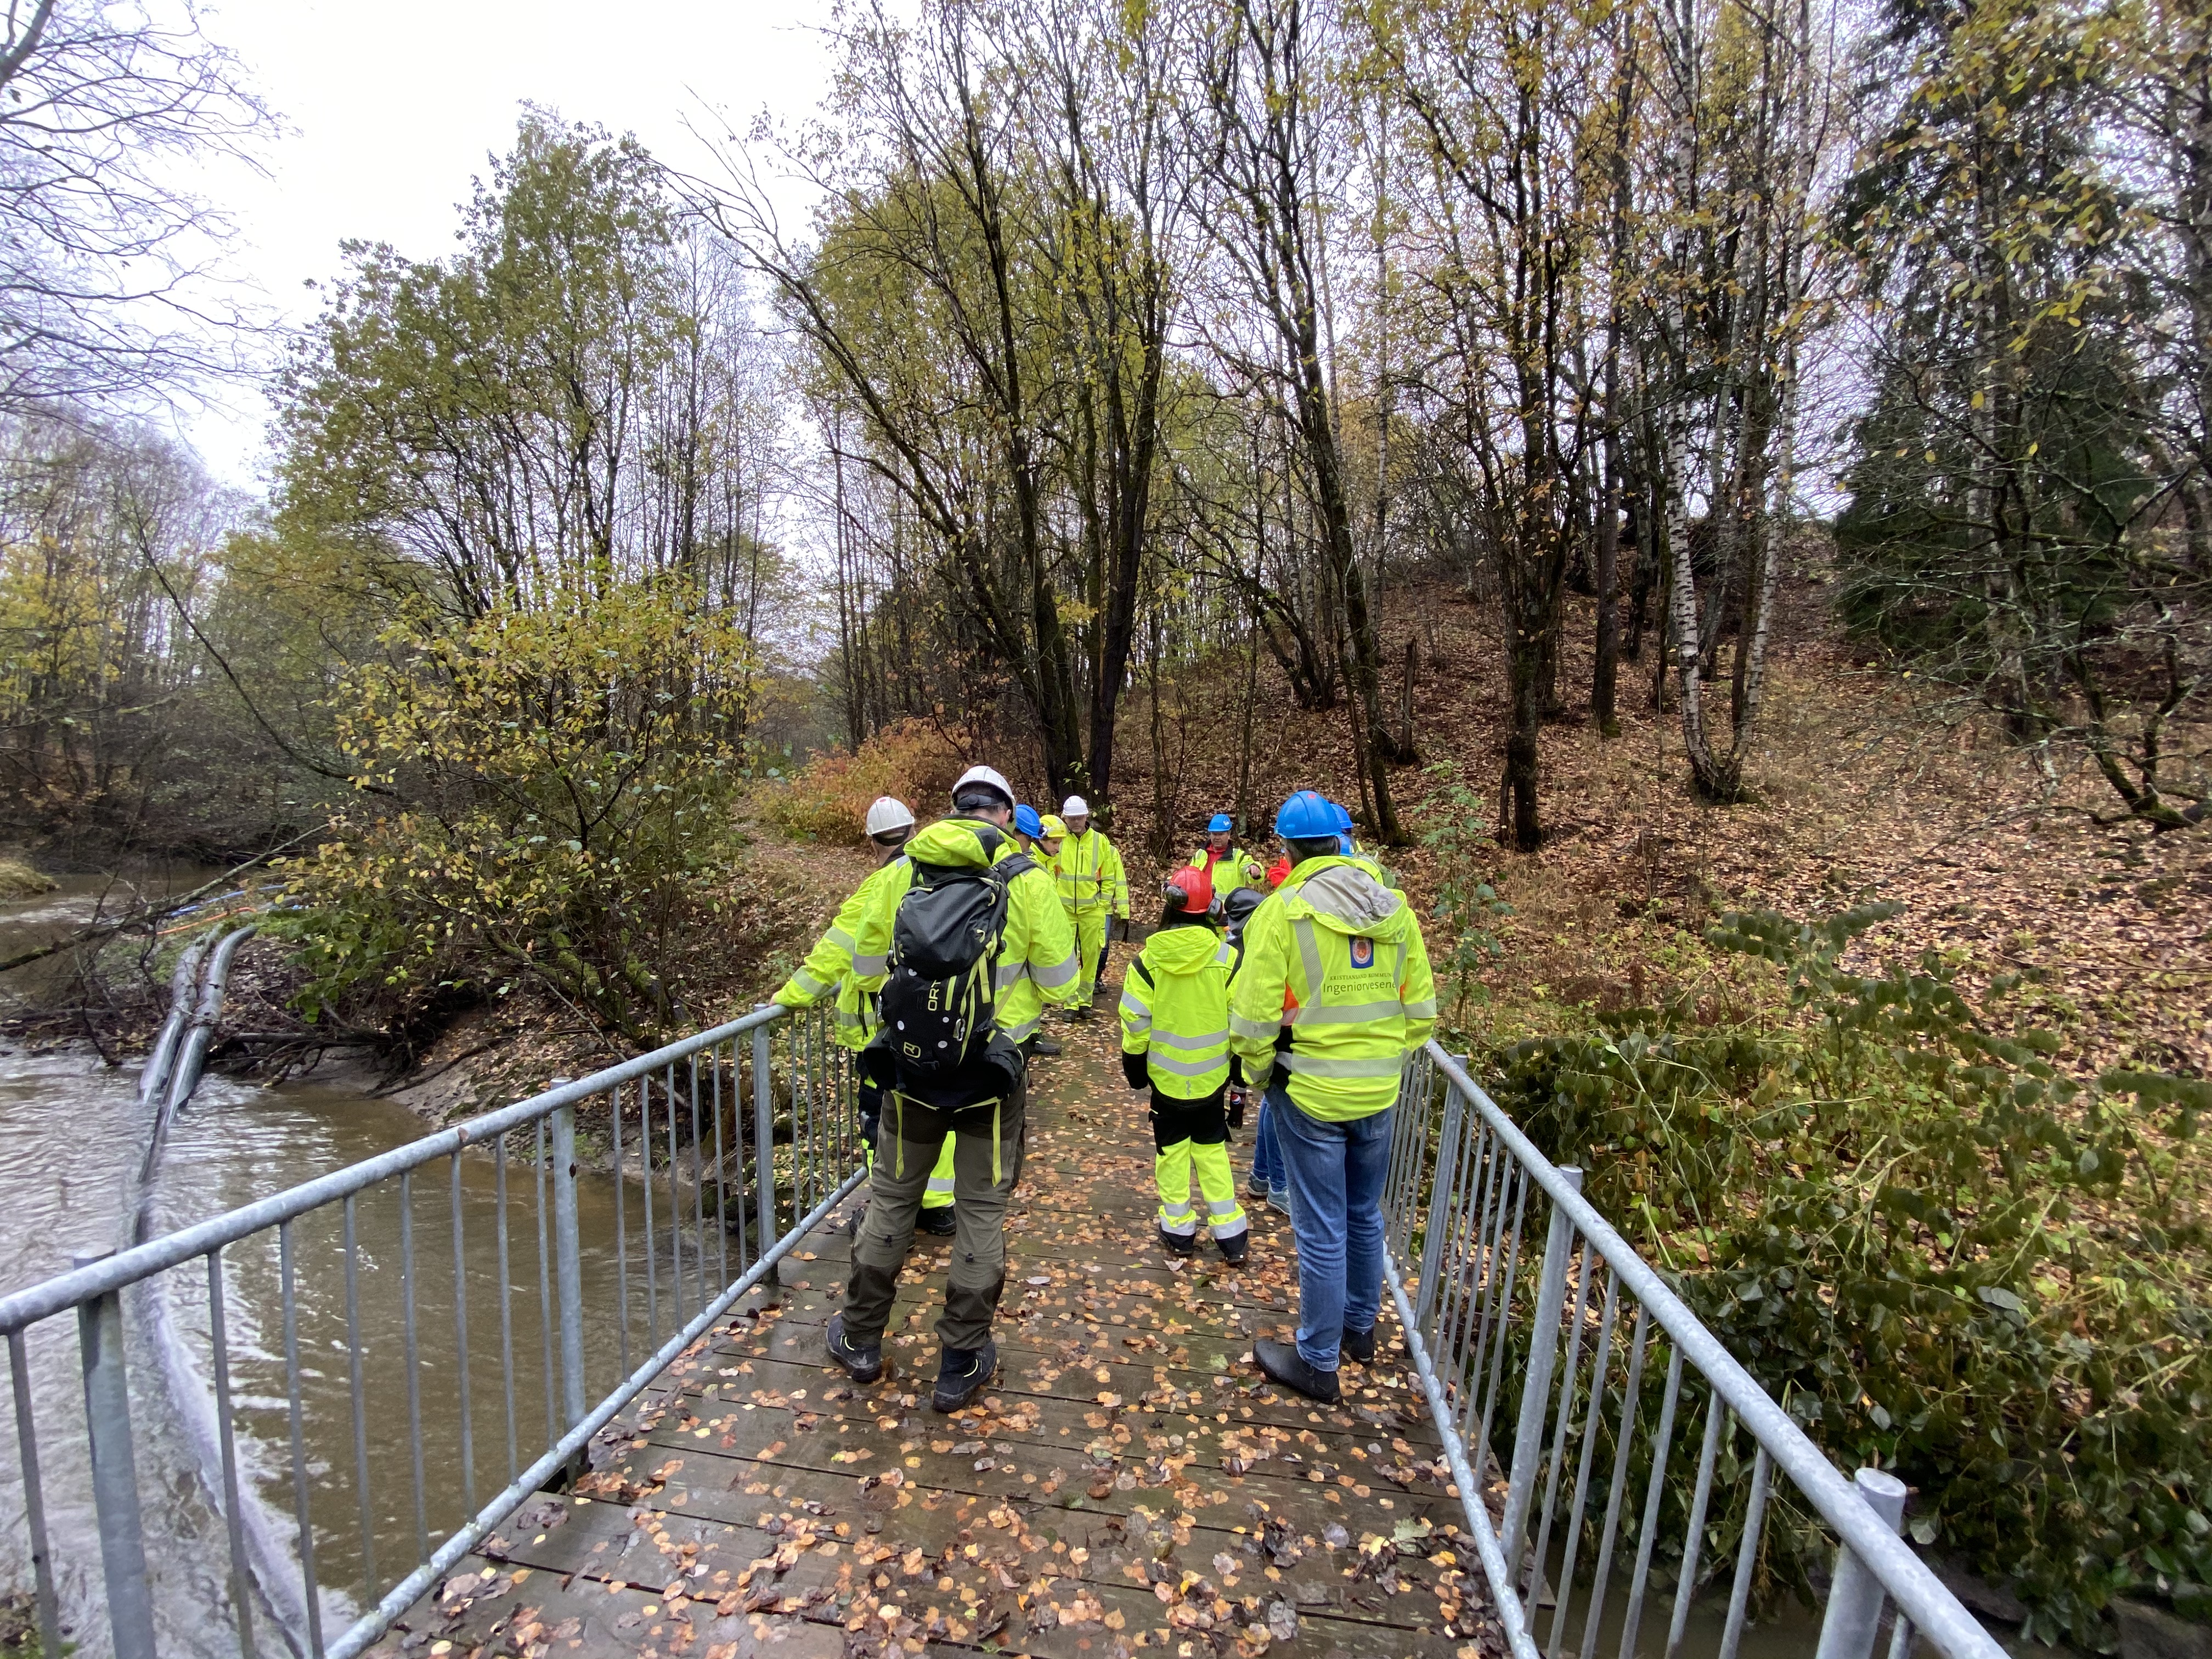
x=1362, y=952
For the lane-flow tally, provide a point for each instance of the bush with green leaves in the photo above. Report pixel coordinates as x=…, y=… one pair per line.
x=1944, y=1254
x=543, y=795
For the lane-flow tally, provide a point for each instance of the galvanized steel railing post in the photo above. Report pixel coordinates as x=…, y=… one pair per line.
x=114, y=1471
x=1440, y=1201
x=764, y=1143
x=1536, y=1384
x=568, y=1265
x=1854, y=1600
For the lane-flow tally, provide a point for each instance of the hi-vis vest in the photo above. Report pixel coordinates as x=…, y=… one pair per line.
x=832, y=965
x=1175, y=1010
x=1087, y=870
x=1227, y=872
x=1337, y=958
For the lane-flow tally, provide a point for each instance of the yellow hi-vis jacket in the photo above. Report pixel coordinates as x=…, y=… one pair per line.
x=1087, y=870
x=1175, y=1009
x=1035, y=944
x=1338, y=957
x=1228, y=871
x=831, y=964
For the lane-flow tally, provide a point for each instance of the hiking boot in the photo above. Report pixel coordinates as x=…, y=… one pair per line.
x=1082, y=1011
x=1234, y=1246
x=1178, y=1244
x=1360, y=1344
x=1043, y=1045
x=1284, y=1363
x=863, y=1361
x=938, y=1223
x=961, y=1372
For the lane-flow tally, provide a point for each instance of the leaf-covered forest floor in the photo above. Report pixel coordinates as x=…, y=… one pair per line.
x=1865, y=786
x=1130, y=1482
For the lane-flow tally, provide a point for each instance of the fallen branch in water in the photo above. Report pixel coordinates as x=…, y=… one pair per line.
x=106, y=929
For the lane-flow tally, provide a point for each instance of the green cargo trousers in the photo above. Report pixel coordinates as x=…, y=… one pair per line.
x=987, y=1162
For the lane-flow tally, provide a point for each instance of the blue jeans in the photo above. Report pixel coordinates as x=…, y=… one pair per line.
x=1336, y=1172
x=1268, y=1168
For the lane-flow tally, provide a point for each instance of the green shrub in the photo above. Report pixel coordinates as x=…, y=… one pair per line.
x=1947, y=1257
x=545, y=794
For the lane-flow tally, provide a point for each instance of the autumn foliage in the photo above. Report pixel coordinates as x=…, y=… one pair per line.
x=542, y=795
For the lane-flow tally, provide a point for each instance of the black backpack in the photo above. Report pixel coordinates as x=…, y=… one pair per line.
x=939, y=1002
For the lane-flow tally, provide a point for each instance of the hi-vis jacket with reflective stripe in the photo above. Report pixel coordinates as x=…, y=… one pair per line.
x=1339, y=958
x=1037, y=944
x=831, y=965
x=1087, y=870
x=1228, y=872
x=1175, y=1010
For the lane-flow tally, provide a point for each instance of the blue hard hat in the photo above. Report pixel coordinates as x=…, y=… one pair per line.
x=1305, y=817
x=1027, y=820
x=1217, y=824
x=1343, y=827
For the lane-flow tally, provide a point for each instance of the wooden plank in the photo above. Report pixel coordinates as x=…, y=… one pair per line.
x=1130, y=1486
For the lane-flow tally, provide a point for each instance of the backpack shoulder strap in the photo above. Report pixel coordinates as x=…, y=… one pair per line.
x=1141, y=971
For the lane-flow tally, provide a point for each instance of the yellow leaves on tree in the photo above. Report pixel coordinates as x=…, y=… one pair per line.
x=544, y=795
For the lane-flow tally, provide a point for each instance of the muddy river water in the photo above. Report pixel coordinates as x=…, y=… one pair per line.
x=72, y=1138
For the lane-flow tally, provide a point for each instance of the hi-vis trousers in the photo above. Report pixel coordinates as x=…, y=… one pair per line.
x=987, y=1162
x=1188, y=1136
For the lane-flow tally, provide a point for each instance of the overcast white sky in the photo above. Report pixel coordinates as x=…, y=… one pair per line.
x=392, y=107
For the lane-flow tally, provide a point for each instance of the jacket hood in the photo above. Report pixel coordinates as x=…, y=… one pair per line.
x=1345, y=899
x=958, y=842
x=1184, y=950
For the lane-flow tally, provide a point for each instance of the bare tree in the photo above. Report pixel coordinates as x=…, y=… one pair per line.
x=105, y=256
x=1270, y=147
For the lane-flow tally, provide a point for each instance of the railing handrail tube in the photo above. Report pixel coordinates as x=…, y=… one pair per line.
x=66, y=1290
x=1936, y=1614
x=378, y=1619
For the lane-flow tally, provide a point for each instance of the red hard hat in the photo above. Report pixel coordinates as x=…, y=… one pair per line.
x=1195, y=887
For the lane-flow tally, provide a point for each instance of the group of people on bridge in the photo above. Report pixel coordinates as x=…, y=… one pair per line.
x=1304, y=978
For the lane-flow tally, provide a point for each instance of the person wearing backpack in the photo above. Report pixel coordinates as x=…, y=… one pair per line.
x=1174, y=1041
x=831, y=966
x=965, y=916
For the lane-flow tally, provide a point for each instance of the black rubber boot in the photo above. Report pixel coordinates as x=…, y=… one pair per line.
x=939, y=1223
x=1284, y=1363
x=1178, y=1244
x=961, y=1372
x=1234, y=1246
x=1360, y=1344
x=863, y=1361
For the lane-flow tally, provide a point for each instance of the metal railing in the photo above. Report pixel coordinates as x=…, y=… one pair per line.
x=699, y=1208
x=1567, y=1381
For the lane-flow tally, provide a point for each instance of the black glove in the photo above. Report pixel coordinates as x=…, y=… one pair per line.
x=1236, y=1098
x=1134, y=1069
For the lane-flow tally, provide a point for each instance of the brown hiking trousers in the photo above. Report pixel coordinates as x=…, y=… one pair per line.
x=987, y=1162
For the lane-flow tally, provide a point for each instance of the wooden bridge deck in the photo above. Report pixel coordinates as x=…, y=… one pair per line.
x=1131, y=1485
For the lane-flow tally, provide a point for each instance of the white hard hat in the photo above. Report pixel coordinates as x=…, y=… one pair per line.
x=987, y=777
x=888, y=813
x=1075, y=807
